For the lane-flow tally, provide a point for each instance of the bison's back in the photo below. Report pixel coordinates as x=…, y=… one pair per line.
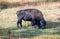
x=34, y=13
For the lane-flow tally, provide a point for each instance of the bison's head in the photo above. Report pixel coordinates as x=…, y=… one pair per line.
x=43, y=23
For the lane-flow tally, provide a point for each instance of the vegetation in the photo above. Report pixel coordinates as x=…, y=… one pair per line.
x=8, y=19
x=8, y=4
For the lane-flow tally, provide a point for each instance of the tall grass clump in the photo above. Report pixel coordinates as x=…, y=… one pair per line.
x=4, y=5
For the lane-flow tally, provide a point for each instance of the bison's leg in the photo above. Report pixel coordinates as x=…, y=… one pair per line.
x=33, y=22
x=19, y=22
x=38, y=23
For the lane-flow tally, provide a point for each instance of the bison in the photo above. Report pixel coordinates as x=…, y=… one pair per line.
x=33, y=15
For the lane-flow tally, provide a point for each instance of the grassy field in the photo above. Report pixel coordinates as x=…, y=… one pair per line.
x=51, y=12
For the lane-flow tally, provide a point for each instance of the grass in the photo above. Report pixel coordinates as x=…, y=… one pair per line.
x=8, y=21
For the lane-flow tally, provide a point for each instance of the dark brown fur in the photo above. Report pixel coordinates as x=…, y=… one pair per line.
x=33, y=15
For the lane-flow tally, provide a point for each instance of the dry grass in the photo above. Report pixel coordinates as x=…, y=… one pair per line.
x=51, y=12
x=47, y=37
x=18, y=0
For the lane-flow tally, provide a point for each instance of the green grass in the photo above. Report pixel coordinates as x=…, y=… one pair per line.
x=8, y=22
x=52, y=28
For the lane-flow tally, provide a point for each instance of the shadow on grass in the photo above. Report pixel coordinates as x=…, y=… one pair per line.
x=25, y=32
x=29, y=32
x=52, y=24
x=48, y=25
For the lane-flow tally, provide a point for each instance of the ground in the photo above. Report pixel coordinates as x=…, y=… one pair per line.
x=51, y=12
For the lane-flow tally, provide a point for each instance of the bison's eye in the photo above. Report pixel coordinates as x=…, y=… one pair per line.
x=43, y=22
